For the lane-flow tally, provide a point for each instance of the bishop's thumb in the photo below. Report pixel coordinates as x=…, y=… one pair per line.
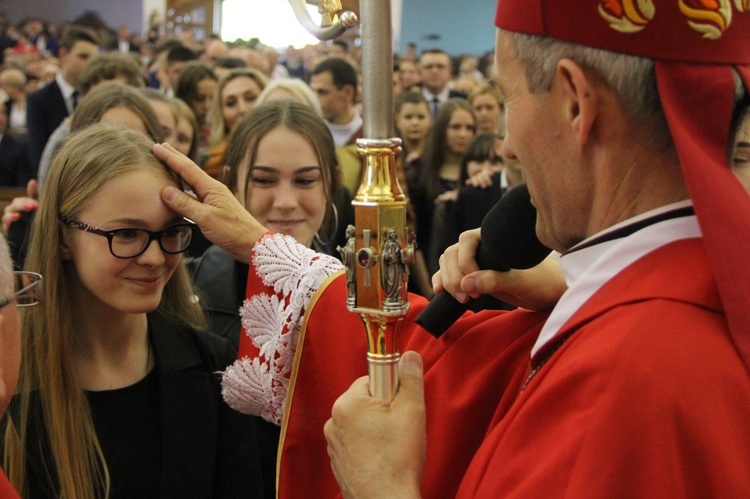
x=410, y=375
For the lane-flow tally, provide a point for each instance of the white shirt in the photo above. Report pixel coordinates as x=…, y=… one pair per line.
x=588, y=269
x=17, y=118
x=343, y=133
x=442, y=98
x=67, y=91
x=279, y=72
x=504, y=180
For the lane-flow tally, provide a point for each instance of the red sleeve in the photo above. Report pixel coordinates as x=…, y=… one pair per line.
x=331, y=354
x=638, y=403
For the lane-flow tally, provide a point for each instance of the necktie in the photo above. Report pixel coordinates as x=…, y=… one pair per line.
x=435, y=107
x=74, y=99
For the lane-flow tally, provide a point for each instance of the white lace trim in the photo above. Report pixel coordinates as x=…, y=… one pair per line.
x=259, y=386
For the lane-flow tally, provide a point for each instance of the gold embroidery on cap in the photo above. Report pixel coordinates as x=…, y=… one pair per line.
x=627, y=16
x=710, y=17
x=742, y=5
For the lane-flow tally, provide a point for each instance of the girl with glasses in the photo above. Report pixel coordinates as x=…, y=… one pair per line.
x=118, y=395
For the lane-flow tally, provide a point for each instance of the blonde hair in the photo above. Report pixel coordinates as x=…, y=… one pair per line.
x=184, y=111
x=110, y=95
x=7, y=285
x=219, y=129
x=13, y=76
x=489, y=89
x=50, y=329
x=300, y=91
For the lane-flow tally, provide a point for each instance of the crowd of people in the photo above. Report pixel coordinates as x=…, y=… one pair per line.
x=207, y=86
x=280, y=132
x=179, y=239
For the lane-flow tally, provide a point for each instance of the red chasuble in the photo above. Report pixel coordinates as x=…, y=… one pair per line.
x=645, y=398
x=467, y=370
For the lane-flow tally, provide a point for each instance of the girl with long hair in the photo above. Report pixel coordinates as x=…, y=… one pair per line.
x=234, y=96
x=433, y=179
x=117, y=395
x=281, y=165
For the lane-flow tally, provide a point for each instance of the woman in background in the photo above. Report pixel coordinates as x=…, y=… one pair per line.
x=281, y=165
x=13, y=83
x=234, y=97
x=434, y=178
x=187, y=131
x=196, y=86
x=489, y=108
x=290, y=88
x=165, y=111
x=474, y=200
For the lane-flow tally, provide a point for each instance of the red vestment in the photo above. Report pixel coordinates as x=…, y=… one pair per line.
x=646, y=397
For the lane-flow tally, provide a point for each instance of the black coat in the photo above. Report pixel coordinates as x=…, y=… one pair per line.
x=208, y=449
x=14, y=161
x=45, y=110
x=220, y=282
x=470, y=207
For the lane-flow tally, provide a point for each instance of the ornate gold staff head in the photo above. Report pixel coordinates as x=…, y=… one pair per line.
x=378, y=249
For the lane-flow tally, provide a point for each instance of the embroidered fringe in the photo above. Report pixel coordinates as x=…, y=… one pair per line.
x=259, y=385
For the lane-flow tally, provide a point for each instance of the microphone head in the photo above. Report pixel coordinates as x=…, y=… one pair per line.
x=508, y=232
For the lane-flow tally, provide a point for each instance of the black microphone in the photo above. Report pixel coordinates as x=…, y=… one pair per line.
x=508, y=242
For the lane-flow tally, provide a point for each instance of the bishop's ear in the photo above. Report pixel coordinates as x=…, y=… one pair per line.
x=581, y=97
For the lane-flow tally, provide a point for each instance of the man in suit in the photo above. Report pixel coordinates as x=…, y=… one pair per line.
x=435, y=70
x=50, y=105
x=13, y=155
x=177, y=59
x=123, y=42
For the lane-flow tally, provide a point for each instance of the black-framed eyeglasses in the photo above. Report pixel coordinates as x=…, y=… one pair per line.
x=28, y=289
x=130, y=243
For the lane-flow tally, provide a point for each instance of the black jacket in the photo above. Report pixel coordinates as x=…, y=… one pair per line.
x=208, y=449
x=45, y=110
x=220, y=281
x=14, y=161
